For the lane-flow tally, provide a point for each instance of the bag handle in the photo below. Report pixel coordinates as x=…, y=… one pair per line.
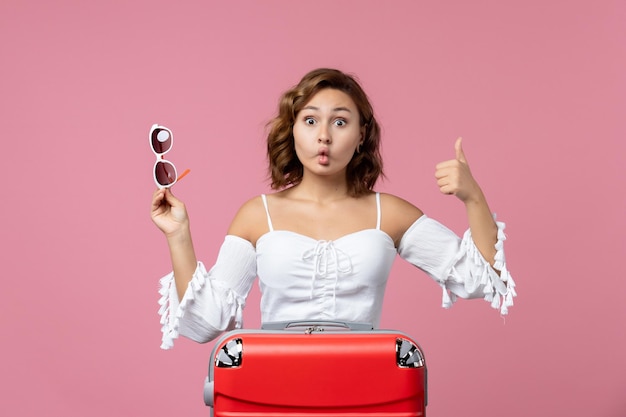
x=316, y=325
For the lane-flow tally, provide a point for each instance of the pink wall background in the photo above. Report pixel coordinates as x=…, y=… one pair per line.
x=537, y=89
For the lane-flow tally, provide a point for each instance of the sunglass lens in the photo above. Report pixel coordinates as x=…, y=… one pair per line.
x=165, y=173
x=161, y=140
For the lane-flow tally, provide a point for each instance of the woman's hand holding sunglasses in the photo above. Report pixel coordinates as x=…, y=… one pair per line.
x=169, y=213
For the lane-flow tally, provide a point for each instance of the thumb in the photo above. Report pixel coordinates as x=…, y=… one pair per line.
x=170, y=198
x=458, y=147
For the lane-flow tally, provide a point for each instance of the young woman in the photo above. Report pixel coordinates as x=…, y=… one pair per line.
x=324, y=243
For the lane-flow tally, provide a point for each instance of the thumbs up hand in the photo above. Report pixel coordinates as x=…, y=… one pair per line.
x=454, y=177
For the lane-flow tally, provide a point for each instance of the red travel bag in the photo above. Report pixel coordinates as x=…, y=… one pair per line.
x=316, y=369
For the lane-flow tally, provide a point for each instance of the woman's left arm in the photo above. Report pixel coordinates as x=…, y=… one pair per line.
x=455, y=178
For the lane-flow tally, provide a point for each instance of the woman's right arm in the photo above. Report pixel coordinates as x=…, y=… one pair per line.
x=197, y=303
x=170, y=216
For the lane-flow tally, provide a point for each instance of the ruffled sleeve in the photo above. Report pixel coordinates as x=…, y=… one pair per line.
x=214, y=300
x=457, y=265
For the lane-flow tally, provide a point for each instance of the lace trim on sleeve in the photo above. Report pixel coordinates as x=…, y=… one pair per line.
x=169, y=302
x=499, y=290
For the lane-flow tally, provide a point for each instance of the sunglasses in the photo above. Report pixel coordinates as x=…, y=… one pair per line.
x=164, y=172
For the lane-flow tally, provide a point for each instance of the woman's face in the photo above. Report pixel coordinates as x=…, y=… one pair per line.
x=327, y=132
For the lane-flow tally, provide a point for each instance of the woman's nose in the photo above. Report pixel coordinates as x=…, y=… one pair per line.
x=324, y=139
x=324, y=136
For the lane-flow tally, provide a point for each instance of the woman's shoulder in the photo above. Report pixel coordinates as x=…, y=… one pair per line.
x=397, y=215
x=399, y=205
x=250, y=221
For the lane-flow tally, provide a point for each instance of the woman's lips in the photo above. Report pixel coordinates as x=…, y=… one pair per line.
x=322, y=156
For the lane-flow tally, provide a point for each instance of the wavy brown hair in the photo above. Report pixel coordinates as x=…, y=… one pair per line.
x=285, y=169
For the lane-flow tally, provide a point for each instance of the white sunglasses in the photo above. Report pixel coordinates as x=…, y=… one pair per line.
x=164, y=172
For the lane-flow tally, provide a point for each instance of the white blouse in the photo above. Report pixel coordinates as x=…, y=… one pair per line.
x=305, y=279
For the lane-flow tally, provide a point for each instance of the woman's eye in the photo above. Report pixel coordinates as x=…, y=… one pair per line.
x=309, y=120
x=340, y=122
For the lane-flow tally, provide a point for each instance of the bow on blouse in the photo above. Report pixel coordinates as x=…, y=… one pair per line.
x=324, y=256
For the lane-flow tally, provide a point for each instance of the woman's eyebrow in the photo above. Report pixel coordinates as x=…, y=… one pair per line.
x=336, y=109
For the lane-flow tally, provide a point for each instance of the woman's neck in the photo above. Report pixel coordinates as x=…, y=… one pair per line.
x=320, y=190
